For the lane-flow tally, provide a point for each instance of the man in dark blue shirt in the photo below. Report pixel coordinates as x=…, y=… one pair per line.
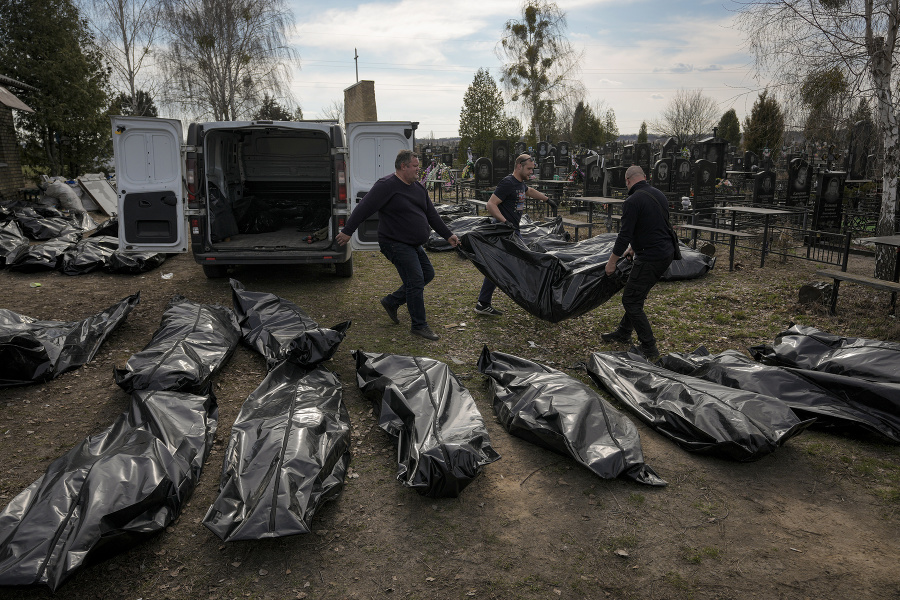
x=644, y=234
x=506, y=205
x=406, y=217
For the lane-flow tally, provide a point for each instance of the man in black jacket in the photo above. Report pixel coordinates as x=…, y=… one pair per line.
x=645, y=235
x=406, y=217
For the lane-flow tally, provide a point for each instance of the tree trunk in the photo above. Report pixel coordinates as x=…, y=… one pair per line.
x=887, y=119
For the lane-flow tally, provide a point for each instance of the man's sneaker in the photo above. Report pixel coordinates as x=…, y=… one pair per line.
x=391, y=311
x=616, y=336
x=488, y=310
x=426, y=333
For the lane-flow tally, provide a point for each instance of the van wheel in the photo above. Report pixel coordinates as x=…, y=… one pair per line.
x=344, y=269
x=215, y=271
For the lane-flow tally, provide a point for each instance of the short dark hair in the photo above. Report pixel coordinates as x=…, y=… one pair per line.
x=404, y=157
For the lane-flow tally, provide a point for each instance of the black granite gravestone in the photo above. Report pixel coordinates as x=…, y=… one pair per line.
x=447, y=158
x=861, y=137
x=704, y=185
x=617, y=177
x=697, y=153
x=562, y=155
x=548, y=169
x=714, y=152
x=500, y=160
x=521, y=148
x=750, y=160
x=682, y=176
x=799, y=183
x=663, y=174
x=628, y=155
x=829, y=201
x=543, y=150
x=483, y=172
x=764, y=187
x=670, y=147
x=593, y=177
x=642, y=157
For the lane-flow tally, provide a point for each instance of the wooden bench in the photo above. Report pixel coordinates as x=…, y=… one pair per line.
x=578, y=225
x=872, y=282
x=695, y=229
x=478, y=204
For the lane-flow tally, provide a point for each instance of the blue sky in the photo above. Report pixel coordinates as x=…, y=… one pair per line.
x=423, y=56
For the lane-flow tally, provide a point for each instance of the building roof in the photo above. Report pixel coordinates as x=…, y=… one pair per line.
x=9, y=99
x=10, y=82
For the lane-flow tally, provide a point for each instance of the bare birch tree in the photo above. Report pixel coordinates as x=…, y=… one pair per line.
x=687, y=116
x=540, y=64
x=223, y=56
x=859, y=37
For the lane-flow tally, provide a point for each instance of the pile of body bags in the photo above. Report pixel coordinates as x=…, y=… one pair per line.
x=71, y=243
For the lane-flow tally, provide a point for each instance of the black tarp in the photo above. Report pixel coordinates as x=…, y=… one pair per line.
x=88, y=255
x=278, y=329
x=837, y=402
x=451, y=212
x=32, y=350
x=815, y=350
x=553, y=285
x=698, y=415
x=553, y=410
x=109, y=227
x=459, y=226
x=12, y=241
x=133, y=262
x=192, y=343
x=288, y=454
x=109, y=492
x=442, y=441
x=41, y=257
x=46, y=228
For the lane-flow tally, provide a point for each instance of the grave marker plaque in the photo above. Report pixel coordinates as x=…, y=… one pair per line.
x=829, y=201
x=521, y=148
x=617, y=177
x=704, y=185
x=483, y=172
x=548, y=169
x=750, y=160
x=799, y=183
x=447, y=158
x=562, y=155
x=543, y=150
x=642, y=157
x=696, y=153
x=500, y=159
x=764, y=187
x=593, y=177
x=715, y=153
x=628, y=155
x=662, y=174
x=682, y=176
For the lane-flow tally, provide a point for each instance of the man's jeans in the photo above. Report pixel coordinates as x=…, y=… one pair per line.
x=415, y=271
x=644, y=276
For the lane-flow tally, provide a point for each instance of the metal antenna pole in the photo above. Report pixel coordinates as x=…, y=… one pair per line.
x=356, y=60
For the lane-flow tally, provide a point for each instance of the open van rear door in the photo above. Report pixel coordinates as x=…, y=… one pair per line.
x=373, y=148
x=149, y=182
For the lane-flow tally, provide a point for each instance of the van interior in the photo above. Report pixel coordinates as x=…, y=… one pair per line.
x=268, y=188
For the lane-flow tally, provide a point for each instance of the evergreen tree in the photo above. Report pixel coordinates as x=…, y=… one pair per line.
x=610, y=128
x=481, y=119
x=123, y=104
x=586, y=128
x=764, y=127
x=46, y=44
x=271, y=110
x=642, y=133
x=730, y=128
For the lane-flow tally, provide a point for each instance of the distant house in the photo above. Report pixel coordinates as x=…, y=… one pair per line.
x=11, y=177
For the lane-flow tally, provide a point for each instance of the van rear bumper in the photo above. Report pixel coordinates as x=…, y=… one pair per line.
x=281, y=257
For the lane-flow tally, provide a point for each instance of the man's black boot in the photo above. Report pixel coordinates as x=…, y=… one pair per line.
x=622, y=337
x=650, y=351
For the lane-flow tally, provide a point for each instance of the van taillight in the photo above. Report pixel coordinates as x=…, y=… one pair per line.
x=341, y=222
x=191, y=175
x=340, y=168
x=195, y=226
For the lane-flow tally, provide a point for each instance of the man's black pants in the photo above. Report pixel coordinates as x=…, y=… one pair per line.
x=644, y=275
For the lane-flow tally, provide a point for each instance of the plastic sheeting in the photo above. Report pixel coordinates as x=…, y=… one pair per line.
x=12, y=242
x=698, y=415
x=47, y=228
x=110, y=492
x=548, y=408
x=88, y=255
x=459, y=226
x=41, y=257
x=288, y=454
x=132, y=263
x=32, y=350
x=191, y=344
x=554, y=285
x=815, y=350
x=836, y=402
x=442, y=441
x=279, y=330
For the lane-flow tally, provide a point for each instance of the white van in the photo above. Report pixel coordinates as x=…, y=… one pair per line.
x=255, y=192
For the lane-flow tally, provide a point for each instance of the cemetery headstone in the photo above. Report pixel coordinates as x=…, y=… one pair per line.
x=767, y=162
x=737, y=164
x=500, y=159
x=829, y=201
x=447, y=158
x=543, y=150
x=750, y=160
x=799, y=183
x=714, y=152
x=617, y=177
x=483, y=172
x=548, y=169
x=562, y=155
x=521, y=148
x=670, y=148
x=858, y=155
x=697, y=153
x=682, y=176
x=642, y=157
x=662, y=174
x=628, y=155
x=704, y=185
x=764, y=187
x=593, y=177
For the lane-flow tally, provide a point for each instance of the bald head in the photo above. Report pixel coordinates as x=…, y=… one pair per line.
x=635, y=172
